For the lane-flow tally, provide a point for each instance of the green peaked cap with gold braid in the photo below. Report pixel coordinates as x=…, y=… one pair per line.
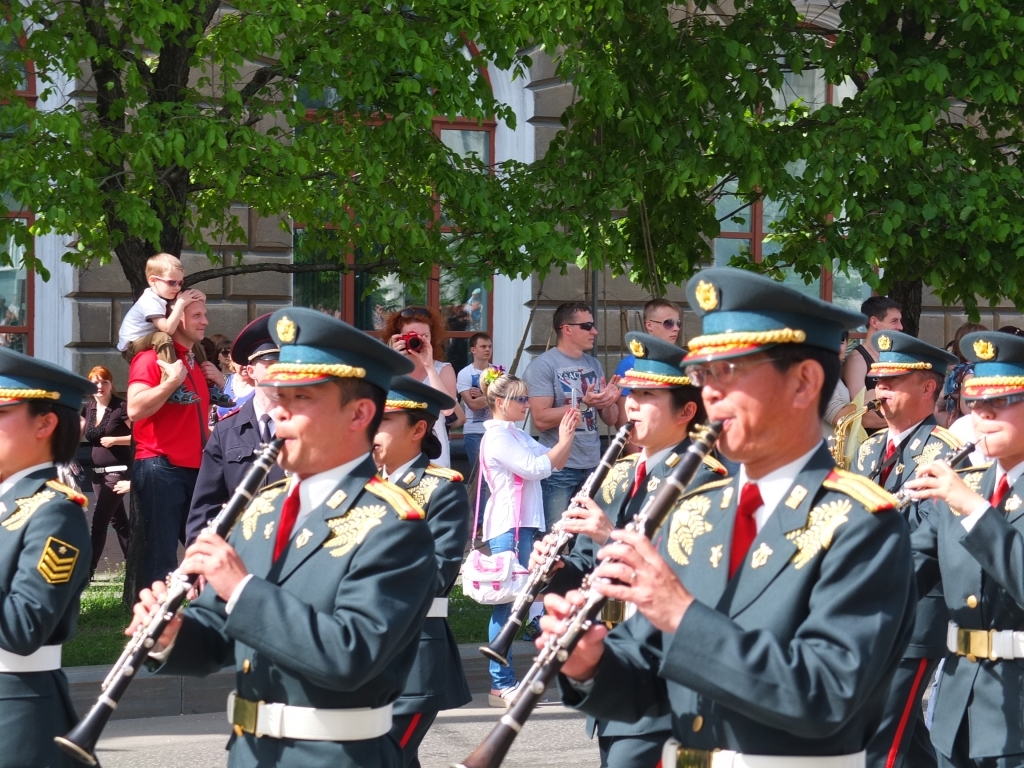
x=901, y=353
x=407, y=394
x=998, y=364
x=659, y=363
x=28, y=378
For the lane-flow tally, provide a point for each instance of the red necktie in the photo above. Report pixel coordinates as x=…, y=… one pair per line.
x=1002, y=488
x=641, y=475
x=289, y=514
x=890, y=449
x=744, y=530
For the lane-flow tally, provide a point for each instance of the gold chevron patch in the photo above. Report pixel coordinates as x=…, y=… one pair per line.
x=58, y=561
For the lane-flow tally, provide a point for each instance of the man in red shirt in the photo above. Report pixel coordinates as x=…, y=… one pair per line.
x=169, y=439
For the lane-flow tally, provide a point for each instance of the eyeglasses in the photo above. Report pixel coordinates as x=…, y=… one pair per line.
x=175, y=283
x=414, y=312
x=995, y=403
x=724, y=372
x=668, y=325
x=584, y=326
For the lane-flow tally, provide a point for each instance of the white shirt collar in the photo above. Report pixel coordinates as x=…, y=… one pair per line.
x=399, y=473
x=1013, y=473
x=314, y=490
x=7, y=484
x=260, y=412
x=655, y=459
x=774, y=485
x=897, y=439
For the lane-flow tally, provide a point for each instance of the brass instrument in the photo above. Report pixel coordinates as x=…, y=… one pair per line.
x=843, y=426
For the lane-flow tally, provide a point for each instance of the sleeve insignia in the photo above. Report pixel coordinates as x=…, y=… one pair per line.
x=817, y=534
x=26, y=508
x=874, y=498
x=423, y=490
x=57, y=563
x=687, y=524
x=71, y=493
x=351, y=529
x=261, y=505
x=617, y=474
x=444, y=472
x=405, y=506
x=715, y=465
x=947, y=437
x=930, y=453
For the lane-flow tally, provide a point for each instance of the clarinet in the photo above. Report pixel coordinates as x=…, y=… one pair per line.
x=80, y=743
x=541, y=576
x=903, y=497
x=556, y=652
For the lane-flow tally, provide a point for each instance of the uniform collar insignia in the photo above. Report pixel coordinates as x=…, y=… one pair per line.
x=727, y=497
x=409, y=477
x=716, y=554
x=798, y=494
x=336, y=499
x=303, y=538
x=1012, y=504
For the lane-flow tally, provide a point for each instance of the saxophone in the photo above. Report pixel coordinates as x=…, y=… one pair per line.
x=843, y=426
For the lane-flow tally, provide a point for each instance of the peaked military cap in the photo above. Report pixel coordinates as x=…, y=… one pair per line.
x=407, y=394
x=901, y=353
x=29, y=378
x=254, y=342
x=744, y=313
x=998, y=364
x=658, y=363
x=316, y=347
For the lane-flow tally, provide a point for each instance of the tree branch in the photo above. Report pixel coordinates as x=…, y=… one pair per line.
x=388, y=265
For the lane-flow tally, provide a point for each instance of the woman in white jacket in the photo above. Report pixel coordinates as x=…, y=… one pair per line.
x=513, y=464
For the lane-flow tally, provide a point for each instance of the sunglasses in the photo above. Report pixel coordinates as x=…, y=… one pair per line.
x=522, y=399
x=589, y=326
x=414, y=312
x=667, y=324
x=175, y=283
x=995, y=403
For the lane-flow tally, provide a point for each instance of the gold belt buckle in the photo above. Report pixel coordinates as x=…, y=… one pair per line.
x=974, y=643
x=613, y=612
x=244, y=714
x=693, y=758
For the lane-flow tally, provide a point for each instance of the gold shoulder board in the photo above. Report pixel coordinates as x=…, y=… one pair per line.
x=715, y=465
x=447, y=474
x=973, y=468
x=947, y=437
x=708, y=486
x=403, y=504
x=70, y=492
x=873, y=497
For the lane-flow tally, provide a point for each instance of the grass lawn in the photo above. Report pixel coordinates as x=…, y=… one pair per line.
x=99, y=637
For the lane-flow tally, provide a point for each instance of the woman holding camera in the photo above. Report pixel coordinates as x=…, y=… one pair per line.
x=419, y=334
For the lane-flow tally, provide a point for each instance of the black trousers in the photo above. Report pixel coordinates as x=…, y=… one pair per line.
x=108, y=510
x=961, y=757
x=409, y=731
x=902, y=740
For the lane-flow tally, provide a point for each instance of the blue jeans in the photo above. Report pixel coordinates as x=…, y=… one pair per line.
x=164, y=493
x=557, y=491
x=505, y=677
x=472, y=444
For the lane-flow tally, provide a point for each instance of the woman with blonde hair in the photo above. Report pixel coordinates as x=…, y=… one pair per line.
x=513, y=464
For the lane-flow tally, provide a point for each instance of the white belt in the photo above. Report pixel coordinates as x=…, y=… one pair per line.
x=280, y=721
x=43, y=660
x=108, y=470
x=725, y=758
x=989, y=644
x=438, y=608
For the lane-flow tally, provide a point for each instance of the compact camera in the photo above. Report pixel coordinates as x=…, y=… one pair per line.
x=413, y=341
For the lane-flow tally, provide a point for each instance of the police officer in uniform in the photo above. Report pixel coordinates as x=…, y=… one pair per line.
x=403, y=448
x=778, y=603
x=44, y=556
x=909, y=375
x=237, y=438
x=320, y=592
x=663, y=406
x=972, y=537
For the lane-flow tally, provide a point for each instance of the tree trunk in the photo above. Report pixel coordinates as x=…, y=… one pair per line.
x=908, y=294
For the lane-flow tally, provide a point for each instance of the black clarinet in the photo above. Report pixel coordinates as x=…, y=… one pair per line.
x=549, y=661
x=80, y=743
x=541, y=576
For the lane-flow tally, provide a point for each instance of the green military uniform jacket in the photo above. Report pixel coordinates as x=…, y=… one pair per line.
x=927, y=443
x=795, y=654
x=982, y=574
x=44, y=566
x=437, y=680
x=335, y=623
x=614, y=498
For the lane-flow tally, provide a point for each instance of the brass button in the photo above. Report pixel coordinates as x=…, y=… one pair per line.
x=246, y=666
x=698, y=723
x=238, y=730
x=972, y=601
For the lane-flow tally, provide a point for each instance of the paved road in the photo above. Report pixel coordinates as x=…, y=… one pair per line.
x=554, y=738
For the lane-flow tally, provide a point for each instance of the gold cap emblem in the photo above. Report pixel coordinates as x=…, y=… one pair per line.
x=707, y=296
x=884, y=343
x=986, y=350
x=637, y=348
x=286, y=330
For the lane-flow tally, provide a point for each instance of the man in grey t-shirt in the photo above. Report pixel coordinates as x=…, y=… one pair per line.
x=557, y=377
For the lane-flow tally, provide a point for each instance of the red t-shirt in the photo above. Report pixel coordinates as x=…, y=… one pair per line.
x=177, y=432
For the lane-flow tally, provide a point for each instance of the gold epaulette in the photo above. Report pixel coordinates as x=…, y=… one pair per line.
x=973, y=468
x=448, y=474
x=715, y=465
x=70, y=492
x=873, y=497
x=709, y=486
x=403, y=504
x=266, y=488
x=947, y=437
x=629, y=457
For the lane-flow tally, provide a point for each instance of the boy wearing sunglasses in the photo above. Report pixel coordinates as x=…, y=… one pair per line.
x=972, y=538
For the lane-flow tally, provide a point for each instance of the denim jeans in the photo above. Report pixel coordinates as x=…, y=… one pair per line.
x=164, y=493
x=505, y=677
x=472, y=445
x=558, y=490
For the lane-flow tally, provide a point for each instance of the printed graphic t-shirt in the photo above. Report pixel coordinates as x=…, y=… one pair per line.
x=468, y=378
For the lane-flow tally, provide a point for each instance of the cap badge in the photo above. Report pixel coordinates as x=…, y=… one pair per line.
x=884, y=343
x=986, y=350
x=707, y=296
x=637, y=348
x=286, y=330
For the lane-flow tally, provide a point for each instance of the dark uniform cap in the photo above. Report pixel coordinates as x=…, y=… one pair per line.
x=658, y=363
x=254, y=342
x=901, y=353
x=745, y=313
x=316, y=347
x=998, y=364
x=407, y=394
x=28, y=378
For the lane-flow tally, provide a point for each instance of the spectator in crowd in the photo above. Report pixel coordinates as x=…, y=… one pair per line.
x=883, y=314
x=169, y=438
x=950, y=403
x=840, y=405
x=106, y=429
x=515, y=515
x=238, y=385
x=563, y=377
x=223, y=358
x=419, y=334
x=468, y=385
